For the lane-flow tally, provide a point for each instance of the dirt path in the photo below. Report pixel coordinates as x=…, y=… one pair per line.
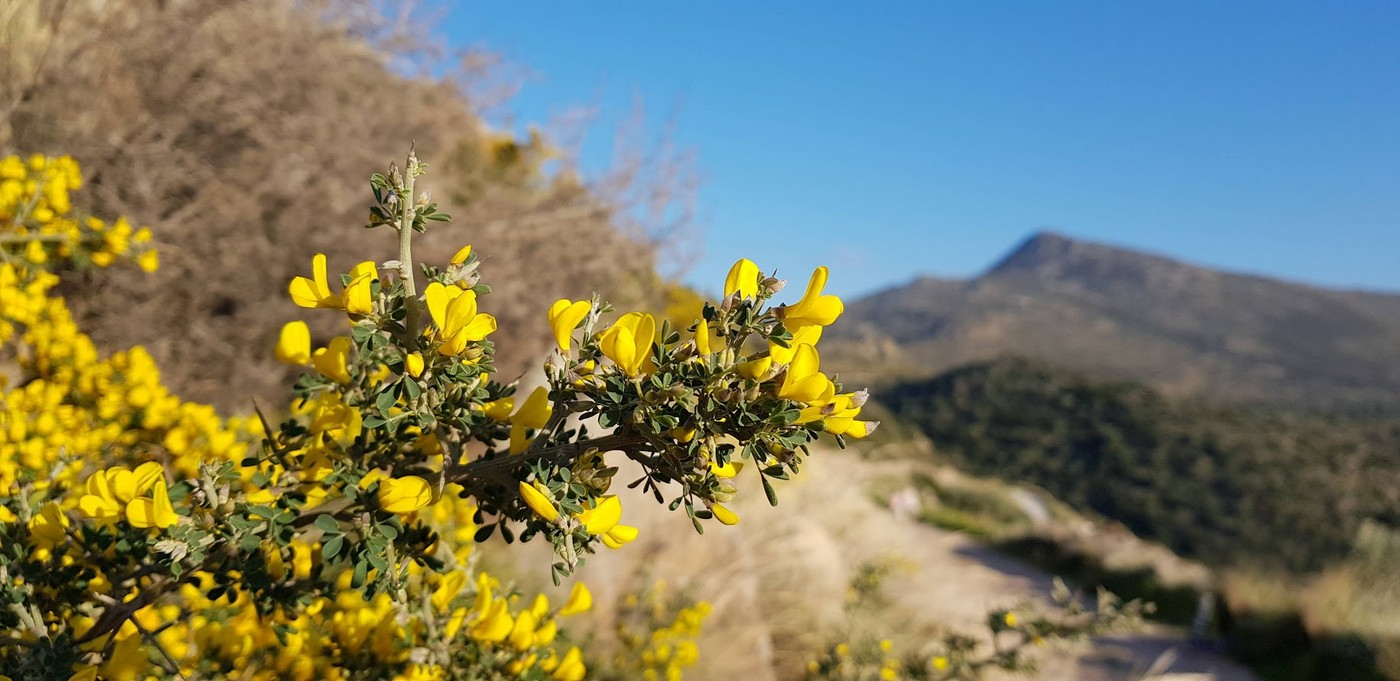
x=778, y=580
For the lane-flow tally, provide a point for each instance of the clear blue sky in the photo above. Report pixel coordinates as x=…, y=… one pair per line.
x=890, y=140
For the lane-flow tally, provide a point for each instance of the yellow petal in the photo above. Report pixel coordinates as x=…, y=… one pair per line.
x=303, y=292
x=742, y=278
x=404, y=495
x=451, y=585
x=619, y=345
x=437, y=296
x=808, y=335
x=358, y=296
x=459, y=312
x=522, y=635
x=564, y=317
x=499, y=410
x=147, y=474
x=702, y=337
x=461, y=255
x=580, y=600
x=294, y=343
x=332, y=361
x=480, y=326
x=814, y=308
x=495, y=626
x=724, y=515
x=413, y=364
x=535, y=412
x=728, y=470
x=538, y=502
x=164, y=513
x=603, y=516
x=619, y=535
x=755, y=369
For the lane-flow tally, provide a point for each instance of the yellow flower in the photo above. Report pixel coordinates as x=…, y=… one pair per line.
x=724, y=515
x=807, y=335
x=940, y=663
x=451, y=585
x=538, y=502
x=742, y=279
x=127, y=661
x=728, y=470
x=571, y=667
x=109, y=491
x=628, y=342
x=707, y=341
x=495, y=624
x=602, y=516
x=148, y=261
x=804, y=383
x=316, y=291
x=534, y=413
x=1010, y=619
x=404, y=495
x=522, y=635
x=454, y=312
x=580, y=600
x=294, y=343
x=154, y=511
x=358, y=293
x=462, y=254
x=499, y=410
x=814, y=308
x=619, y=535
x=564, y=317
x=333, y=361
x=47, y=526
x=413, y=364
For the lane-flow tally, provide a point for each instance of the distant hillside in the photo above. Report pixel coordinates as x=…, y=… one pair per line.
x=1221, y=485
x=1183, y=329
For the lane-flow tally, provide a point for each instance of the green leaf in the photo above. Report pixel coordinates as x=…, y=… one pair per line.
x=331, y=548
x=327, y=524
x=484, y=532
x=768, y=490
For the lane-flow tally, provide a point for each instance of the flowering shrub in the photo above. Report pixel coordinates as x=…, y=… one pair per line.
x=142, y=536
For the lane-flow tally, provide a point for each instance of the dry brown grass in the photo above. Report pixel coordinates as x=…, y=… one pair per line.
x=244, y=132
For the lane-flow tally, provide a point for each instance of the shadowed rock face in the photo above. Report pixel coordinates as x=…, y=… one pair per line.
x=1184, y=329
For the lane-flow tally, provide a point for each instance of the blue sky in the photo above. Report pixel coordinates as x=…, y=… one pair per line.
x=892, y=140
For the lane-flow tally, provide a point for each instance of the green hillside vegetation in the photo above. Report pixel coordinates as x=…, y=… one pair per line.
x=1236, y=486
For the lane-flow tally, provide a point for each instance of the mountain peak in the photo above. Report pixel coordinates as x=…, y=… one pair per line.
x=1050, y=256
x=1047, y=249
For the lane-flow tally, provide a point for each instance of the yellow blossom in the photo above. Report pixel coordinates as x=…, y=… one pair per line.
x=534, y=413
x=742, y=279
x=804, y=383
x=333, y=361
x=814, y=308
x=294, y=343
x=724, y=515
x=404, y=495
x=564, y=317
x=154, y=511
x=413, y=364
x=316, y=291
x=538, y=502
x=148, y=261
x=628, y=342
x=455, y=313
x=580, y=600
x=462, y=254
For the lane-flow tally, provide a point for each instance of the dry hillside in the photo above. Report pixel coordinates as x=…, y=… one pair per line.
x=244, y=132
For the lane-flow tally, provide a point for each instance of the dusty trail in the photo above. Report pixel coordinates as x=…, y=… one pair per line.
x=778, y=580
